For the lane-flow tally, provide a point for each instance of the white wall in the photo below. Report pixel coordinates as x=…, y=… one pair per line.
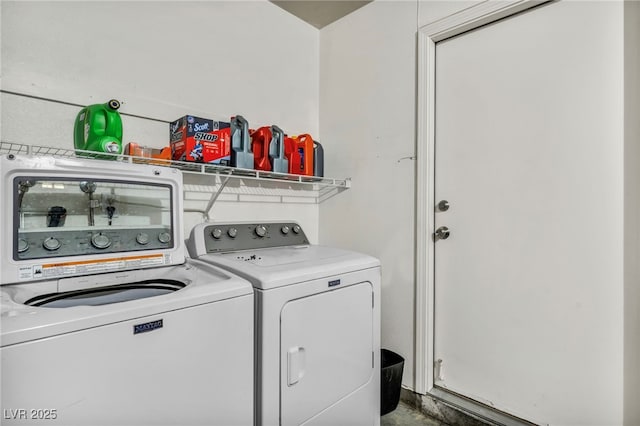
x=632, y=215
x=430, y=11
x=367, y=125
x=367, y=116
x=161, y=60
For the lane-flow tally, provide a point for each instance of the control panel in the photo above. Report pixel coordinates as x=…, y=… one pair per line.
x=233, y=237
x=60, y=242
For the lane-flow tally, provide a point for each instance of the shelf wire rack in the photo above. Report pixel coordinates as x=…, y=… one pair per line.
x=204, y=182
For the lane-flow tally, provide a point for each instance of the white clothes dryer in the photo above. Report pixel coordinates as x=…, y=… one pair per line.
x=102, y=320
x=317, y=322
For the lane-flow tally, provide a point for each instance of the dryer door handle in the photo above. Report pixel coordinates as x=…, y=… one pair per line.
x=295, y=365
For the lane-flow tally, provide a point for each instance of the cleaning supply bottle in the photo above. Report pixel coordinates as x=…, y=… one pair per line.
x=260, y=141
x=277, y=151
x=292, y=155
x=241, y=153
x=304, y=143
x=98, y=128
x=318, y=159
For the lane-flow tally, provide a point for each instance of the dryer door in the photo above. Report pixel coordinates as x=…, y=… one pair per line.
x=326, y=351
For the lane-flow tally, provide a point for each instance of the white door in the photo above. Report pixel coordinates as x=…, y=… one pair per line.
x=326, y=354
x=528, y=120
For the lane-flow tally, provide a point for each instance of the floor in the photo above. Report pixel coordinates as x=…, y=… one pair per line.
x=405, y=415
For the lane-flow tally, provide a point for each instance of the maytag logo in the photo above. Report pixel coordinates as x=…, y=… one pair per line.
x=334, y=283
x=147, y=326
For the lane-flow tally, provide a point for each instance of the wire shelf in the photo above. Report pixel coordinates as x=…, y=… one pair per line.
x=217, y=182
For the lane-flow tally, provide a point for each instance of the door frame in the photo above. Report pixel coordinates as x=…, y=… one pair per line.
x=468, y=19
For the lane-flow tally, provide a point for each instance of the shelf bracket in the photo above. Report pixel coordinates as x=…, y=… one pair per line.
x=215, y=195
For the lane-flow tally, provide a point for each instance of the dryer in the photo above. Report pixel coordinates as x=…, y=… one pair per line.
x=317, y=321
x=103, y=320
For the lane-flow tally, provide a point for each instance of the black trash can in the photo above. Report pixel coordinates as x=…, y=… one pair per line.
x=390, y=380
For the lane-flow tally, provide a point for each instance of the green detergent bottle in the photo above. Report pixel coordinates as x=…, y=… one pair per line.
x=98, y=128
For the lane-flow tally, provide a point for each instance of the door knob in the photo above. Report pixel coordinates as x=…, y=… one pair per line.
x=443, y=206
x=441, y=233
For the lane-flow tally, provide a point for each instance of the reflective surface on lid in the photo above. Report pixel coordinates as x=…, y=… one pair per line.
x=60, y=216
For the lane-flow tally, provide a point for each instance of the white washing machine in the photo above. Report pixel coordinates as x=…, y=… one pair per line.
x=317, y=322
x=102, y=320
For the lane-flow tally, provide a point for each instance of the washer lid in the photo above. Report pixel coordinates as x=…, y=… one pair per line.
x=73, y=217
x=276, y=267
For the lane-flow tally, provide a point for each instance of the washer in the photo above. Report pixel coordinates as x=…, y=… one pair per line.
x=103, y=320
x=317, y=321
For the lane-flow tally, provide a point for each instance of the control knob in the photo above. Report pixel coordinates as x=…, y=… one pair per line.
x=261, y=231
x=142, y=238
x=51, y=244
x=284, y=229
x=232, y=232
x=100, y=241
x=296, y=229
x=23, y=245
x=164, y=237
x=216, y=233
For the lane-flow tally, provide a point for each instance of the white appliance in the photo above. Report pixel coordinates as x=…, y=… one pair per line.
x=102, y=320
x=317, y=322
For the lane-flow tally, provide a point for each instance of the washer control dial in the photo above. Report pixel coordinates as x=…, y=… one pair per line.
x=142, y=238
x=216, y=233
x=51, y=244
x=232, y=232
x=100, y=241
x=164, y=237
x=23, y=245
x=284, y=229
x=261, y=231
x=296, y=229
